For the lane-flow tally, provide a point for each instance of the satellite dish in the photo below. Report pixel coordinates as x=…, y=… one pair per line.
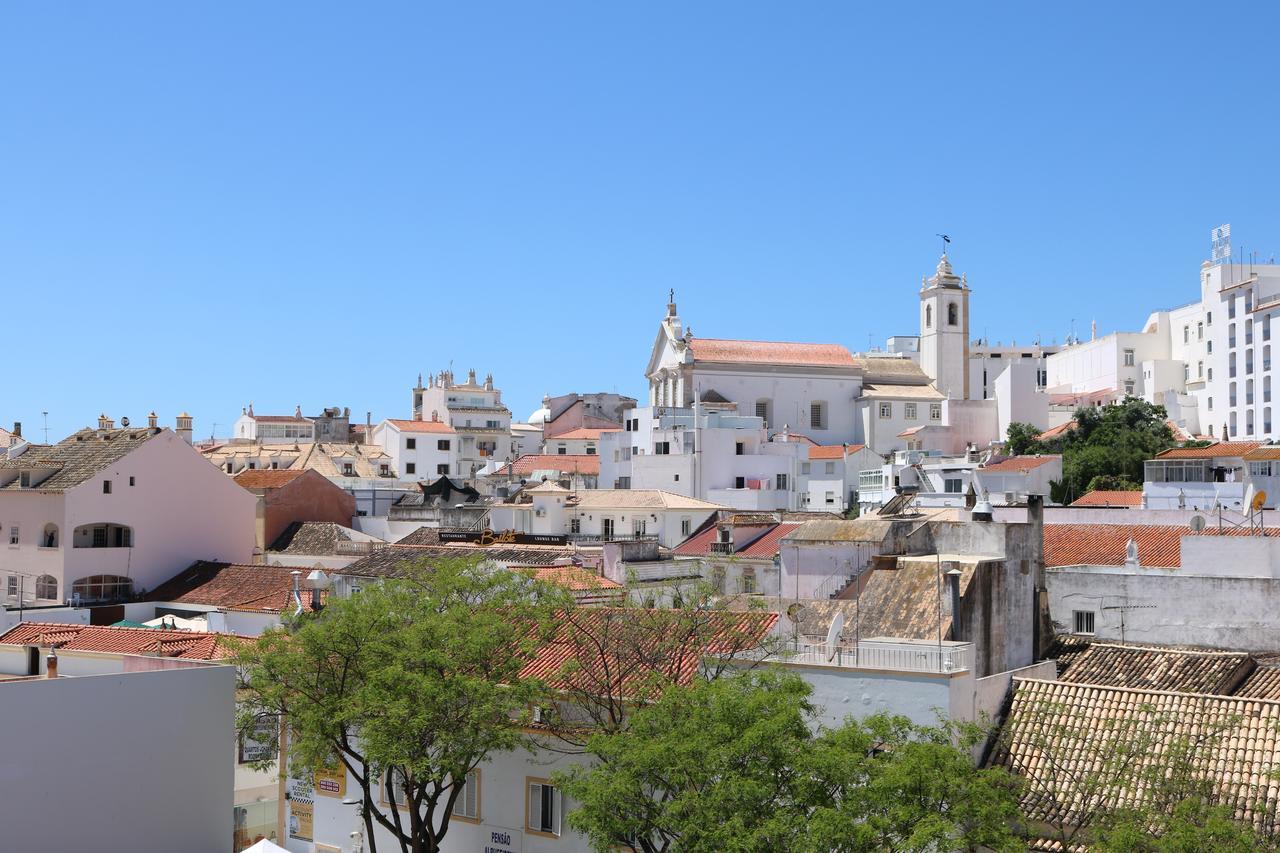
x=833, y=634
x=1258, y=500
x=124, y=422
x=1197, y=523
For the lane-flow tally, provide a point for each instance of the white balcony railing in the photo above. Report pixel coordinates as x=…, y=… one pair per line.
x=875, y=654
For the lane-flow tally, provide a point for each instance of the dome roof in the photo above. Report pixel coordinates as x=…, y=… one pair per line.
x=542, y=415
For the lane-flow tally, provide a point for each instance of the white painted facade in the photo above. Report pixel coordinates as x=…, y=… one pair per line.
x=420, y=451
x=476, y=413
x=175, y=507
x=273, y=429
x=132, y=756
x=604, y=514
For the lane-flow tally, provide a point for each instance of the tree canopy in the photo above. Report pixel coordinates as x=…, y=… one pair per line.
x=1106, y=447
x=738, y=763
x=415, y=679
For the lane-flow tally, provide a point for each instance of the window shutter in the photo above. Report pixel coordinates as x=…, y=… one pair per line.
x=535, y=805
x=555, y=817
x=471, y=795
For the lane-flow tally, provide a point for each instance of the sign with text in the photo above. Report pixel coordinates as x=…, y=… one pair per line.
x=498, y=839
x=505, y=537
x=331, y=784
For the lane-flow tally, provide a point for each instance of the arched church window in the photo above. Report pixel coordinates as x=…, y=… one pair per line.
x=928, y=316
x=952, y=314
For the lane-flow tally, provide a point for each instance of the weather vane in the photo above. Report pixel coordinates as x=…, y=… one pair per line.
x=946, y=241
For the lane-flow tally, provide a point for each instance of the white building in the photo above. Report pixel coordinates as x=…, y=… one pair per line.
x=1206, y=478
x=603, y=514
x=829, y=479
x=138, y=746
x=110, y=512
x=273, y=429
x=584, y=441
x=476, y=414
x=420, y=450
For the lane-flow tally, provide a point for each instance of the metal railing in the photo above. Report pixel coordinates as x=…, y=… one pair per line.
x=874, y=654
x=612, y=537
x=721, y=547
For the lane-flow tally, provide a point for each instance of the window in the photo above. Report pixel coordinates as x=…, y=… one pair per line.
x=348, y=469
x=562, y=450
x=1209, y=374
x=626, y=454
x=11, y=586
x=411, y=444
x=1266, y=357
x=928, y=316
x=1200, y=369
x=442, y=469
x=1260, y=469
x=1248, y=421
x=739, y=449
x=384, y=470
x=686, y=526
x=1266, y=420
x=606, y=528
x=1231, y=394
x=442, y=444
x=762, y=411
x=102, y=588
x=830, y=497
x=1211, y=404
x=1231, y=307
x=544, y=807
x=804, y=467
x=467, y=806
x=909, y=411
x=591, y=450
x=1200, y=331
x=953, y=485
x=663, y=448
x=781, y=482
x=106, y=487
x=1266, y=327
x=818, y=415
x=1082, y=621
x=1128, y=358
x=739, y=482
x=132, y=482
x=1248, y=331
x=50, y=537
x=1266, y=389
x=410, y=468
x=1231, y=335
x=1186, y=334
x=1128, y=387
x=1231, y=365
x=935, y=411
x=886, y=410
x=1208, y=318
x=1248, y=392
x=748, y=581
x=639, y=526
x=829, y=468
x=953, y=314
x=393, y=788
x=13, y=535
x=1208, y=347
x=230, y=467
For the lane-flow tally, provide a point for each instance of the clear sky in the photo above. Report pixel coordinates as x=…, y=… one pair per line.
x=307, y=203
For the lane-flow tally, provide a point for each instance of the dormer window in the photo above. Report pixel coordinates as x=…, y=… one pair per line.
x=24, y=479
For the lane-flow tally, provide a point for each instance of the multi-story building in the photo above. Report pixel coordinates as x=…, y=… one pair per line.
x=475, y=412
x=109, y=512
x=273, y=429
x=421, y=450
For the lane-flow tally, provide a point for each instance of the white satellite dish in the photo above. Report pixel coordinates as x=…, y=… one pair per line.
x=1197, y=523
x=833, y=634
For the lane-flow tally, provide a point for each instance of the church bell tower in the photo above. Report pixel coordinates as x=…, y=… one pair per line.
x=944, y=330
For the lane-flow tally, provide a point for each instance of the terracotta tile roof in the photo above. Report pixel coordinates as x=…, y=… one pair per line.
x=1108, y=497
x=890, y=370
x=610, y=651
x=317, y=538
x=229, y=586
x=422, y=536
x=267, y=478
x=833, y=451
x=1066, y=648
x=583, y=433
x=1054, y=725
x=391, y=560
x=699, y=544
x=1263, y=683
x=75, y=459
x=1059, y=430
x=189, y=645
x=1148, y=668
x=885, y=391
x=1019, y=464
x=1221, y=448
x=421, y=426
x=566, y=463
x=770, y=352
x=1104, y=544
x=574, y=578
x=1271, y=451
x=768, y=545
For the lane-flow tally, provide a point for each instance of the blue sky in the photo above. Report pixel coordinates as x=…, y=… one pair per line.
x=308, y=203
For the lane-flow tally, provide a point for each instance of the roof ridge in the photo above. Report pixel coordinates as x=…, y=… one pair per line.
x=1079, y=685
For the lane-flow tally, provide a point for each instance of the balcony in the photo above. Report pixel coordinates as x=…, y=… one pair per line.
x=898, y=656
x=721, y=547
x=612, y=537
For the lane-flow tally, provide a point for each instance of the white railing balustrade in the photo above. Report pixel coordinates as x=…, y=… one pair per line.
x=878, y=654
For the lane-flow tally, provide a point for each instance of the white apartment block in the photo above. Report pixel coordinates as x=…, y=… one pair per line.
x=273, y=429
x=421, y=451
x=475, y=412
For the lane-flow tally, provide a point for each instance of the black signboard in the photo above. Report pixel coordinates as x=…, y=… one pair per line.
x=505, y=537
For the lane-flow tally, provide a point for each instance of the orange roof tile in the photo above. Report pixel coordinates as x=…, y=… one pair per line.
x=1270, y=451
x=267, y=478
x=190, y=645
x=582, y=433
x=768, y=545
x=421, y=426
x=256, y=589
x=1019, y=464
x=1104, y=544
x=771, y=352
x=573, y=578
x=833, y=451
x=1221, y=448
x=1109, y=497
x=1054, y=432
x=576, y=463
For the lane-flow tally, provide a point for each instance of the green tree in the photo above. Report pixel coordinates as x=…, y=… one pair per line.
x=415, y=679
x=738, y=764
x=1023, y=439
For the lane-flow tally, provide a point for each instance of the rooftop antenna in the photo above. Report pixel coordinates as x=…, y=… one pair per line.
x=46, y=427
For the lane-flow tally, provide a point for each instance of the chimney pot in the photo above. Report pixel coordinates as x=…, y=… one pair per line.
x=17, y=429
x=51, y=664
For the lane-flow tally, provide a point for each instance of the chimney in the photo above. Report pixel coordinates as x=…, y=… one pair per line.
x=17, y=429
x=153, y=422
x=982, y=509
x=105, y=422
x=183, y=427
x=488, y=382
x=297, y=411
x=435, y=416
x=51, y=664
x=471, y=376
